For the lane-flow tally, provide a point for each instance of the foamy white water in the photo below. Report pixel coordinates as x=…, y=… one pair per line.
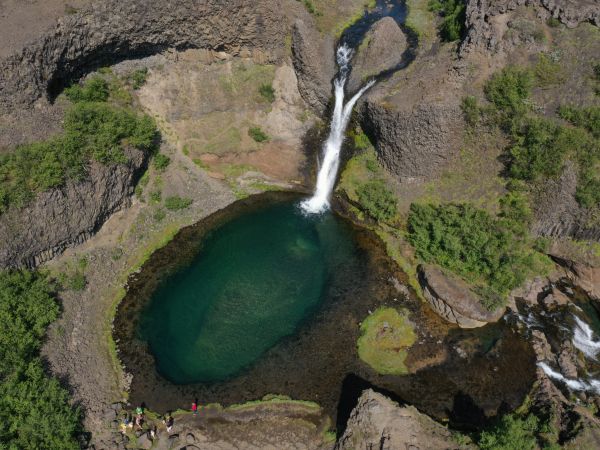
x=576, y=385
x=583, y=339
x=329, y=165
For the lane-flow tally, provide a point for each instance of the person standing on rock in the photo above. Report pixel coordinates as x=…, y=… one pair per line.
x=195, y=407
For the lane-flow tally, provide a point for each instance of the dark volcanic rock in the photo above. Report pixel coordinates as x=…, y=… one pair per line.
x=453, y=300
x=378, y=422
x=110, y=30
x=484, y=34
x=314, y=63
x=557, y=213
x=67, y=216
x=415, y=142
x=382, y=49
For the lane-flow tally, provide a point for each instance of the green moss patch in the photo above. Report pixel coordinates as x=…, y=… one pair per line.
x=385, y=338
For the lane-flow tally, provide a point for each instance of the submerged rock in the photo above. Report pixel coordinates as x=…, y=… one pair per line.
x=382, y=49
x=453, y=300
x=378, y=422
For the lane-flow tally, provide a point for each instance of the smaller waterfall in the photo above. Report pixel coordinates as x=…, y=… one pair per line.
x=582, y=339
x=575, y=384
x=330, y=163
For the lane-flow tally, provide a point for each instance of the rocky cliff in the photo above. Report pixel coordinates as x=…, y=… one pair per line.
x=485, y=26
x=67, y=216
x=107, y=31
x=378, y=422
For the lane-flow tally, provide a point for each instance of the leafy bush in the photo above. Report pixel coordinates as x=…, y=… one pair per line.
x=257, y=134
x=548, y=70
x=553, y=22
x=452, y=27
x=267, y=91
x=34, y=408
x=489, y=252
x=176, y=203
x=471, y=110
x=588, y=118
x=511, y=433
x=138, y=78
x=94, y=90
x=92, y=130
x=377, y=200
x=509, y=90
x=161, y=162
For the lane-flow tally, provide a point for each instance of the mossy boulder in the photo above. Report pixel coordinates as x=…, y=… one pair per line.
x=386, y=336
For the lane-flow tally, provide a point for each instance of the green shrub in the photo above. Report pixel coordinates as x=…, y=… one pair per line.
x=267, y=91
x=155, y=196
x=93, y=90
x=377, y=200
x=511, y=433
x=588, y=118
x=138, y=78
x=471, y=110
x=509, y=90
x=91, y=130
x=257, y=134
x=34, y=408
x=361, y=140
x=553, y=22
x=488, y=252
x=161, y=162
x=176, y=203
x=548, y=70
x=452, y=27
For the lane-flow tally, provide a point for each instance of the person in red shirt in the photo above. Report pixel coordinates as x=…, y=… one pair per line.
x=195, y=407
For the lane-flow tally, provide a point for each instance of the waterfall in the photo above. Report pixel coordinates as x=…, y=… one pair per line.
x=330, y=162
x=583, y=339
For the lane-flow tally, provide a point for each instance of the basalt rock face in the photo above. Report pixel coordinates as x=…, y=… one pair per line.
x=379, y=423
x=557, y=213
x=382, y=49
x=110, y=30
x=413, y=143
x=484, y=31
x=314, y=63
x=67, y=216
x=452, y=299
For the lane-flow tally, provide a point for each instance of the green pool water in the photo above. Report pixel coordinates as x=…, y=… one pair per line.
x=254, y=281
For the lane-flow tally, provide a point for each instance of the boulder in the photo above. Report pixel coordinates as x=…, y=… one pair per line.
x=382, y=49
x=453, y=299
x=314, y=62
x=378, y=422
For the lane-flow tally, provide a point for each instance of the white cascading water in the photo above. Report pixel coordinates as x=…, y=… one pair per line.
x=583, y=339
x=330, y=163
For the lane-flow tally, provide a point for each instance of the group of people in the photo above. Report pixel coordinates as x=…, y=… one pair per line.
x=136, y=422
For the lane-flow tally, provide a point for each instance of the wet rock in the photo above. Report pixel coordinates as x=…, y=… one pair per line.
x=382, y=49
x=553, y=299
x=567, y=360
x=69, y=215
x=173, y=440
x=114, y=29
x=314, y=63
x=190, y=438
x=378, y=422
x=582, y=275
x=453, y=300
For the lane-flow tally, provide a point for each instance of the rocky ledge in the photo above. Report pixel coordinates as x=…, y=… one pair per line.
x=453, y=300
x=378, y=422
x=67, y=216
x=111, y=30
